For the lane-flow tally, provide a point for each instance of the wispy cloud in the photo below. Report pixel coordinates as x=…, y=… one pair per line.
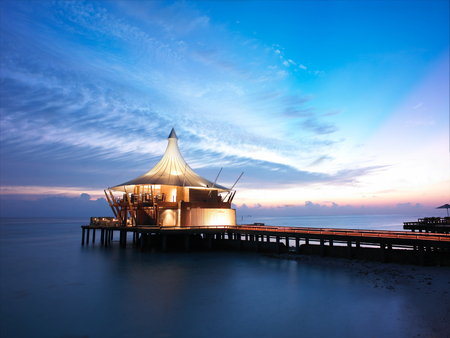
x=90, y=91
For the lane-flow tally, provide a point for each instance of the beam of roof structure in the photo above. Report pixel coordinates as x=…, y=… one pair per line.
x=170, y=170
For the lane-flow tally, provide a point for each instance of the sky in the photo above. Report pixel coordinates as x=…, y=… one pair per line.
x=328, y=107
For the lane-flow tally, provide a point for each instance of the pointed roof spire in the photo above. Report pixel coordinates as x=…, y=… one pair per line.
x=172, y=170
x=173, y=134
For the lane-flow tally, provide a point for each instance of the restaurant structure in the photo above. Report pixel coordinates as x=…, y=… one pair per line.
x=171, y=194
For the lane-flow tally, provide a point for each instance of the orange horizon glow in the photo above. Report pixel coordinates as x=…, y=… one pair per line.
x=268, y=198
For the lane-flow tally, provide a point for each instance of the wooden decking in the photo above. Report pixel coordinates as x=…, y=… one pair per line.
x=279, y=239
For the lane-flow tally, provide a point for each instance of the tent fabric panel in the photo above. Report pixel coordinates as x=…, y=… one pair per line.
x=170, y=170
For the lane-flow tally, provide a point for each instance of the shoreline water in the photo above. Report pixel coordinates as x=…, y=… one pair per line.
x=428, y=285
x=53, y=287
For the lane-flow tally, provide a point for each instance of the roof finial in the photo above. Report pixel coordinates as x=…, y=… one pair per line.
x=173, y=134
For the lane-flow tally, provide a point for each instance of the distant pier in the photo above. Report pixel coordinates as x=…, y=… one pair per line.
x=429, y=225
x=387, y=246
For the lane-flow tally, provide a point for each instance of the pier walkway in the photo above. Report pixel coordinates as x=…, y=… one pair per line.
x=323, y=241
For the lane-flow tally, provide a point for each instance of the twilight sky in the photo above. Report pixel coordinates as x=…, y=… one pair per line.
x=327, y=106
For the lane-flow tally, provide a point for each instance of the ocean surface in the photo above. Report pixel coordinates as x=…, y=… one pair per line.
x=51, y=286
x=373, y=222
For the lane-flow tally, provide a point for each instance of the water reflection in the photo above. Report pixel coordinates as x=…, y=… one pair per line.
x=53, y=287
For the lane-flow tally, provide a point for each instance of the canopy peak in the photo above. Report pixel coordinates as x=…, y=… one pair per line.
x=173, y=134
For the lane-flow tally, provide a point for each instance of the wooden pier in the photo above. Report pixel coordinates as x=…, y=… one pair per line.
x=429, y=225
x=386, y=246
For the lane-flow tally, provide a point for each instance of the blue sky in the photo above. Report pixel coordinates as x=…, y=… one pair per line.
x=318, y=102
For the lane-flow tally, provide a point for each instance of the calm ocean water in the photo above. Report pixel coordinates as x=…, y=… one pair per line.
x=374, y=222
x=51, y=286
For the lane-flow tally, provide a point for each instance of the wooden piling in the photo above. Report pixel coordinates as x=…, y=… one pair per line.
x=209, y=238
x=349, y=249
x=421, y=255
x=322, y=247
x=82, y=236
x=186, y=243
x=142, y=241
x=164, y=243
x=383, y=252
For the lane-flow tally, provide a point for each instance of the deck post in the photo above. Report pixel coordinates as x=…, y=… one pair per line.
x=142, y=241
x=383, y=252
x=106, y=237
x=239, y=239
x=124, y=238
x=82, y=236
x=421, y=255
x=209, y=238
x=186, y=243
x=322, y=247
x=93, y=235
x=307, y=241
x=112, y=235
x=358, y=244
x=164, y=243
x=87, y=237
x=287, y=242
x=102, y=236
x=331, y=242
x=297, y=245
x=349, y=249
x=256, y=243
x=278, y=243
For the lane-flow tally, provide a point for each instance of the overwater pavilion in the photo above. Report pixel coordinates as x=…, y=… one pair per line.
x=171, y=194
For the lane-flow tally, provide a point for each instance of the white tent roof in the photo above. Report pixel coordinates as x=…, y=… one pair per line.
x=170, y=170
